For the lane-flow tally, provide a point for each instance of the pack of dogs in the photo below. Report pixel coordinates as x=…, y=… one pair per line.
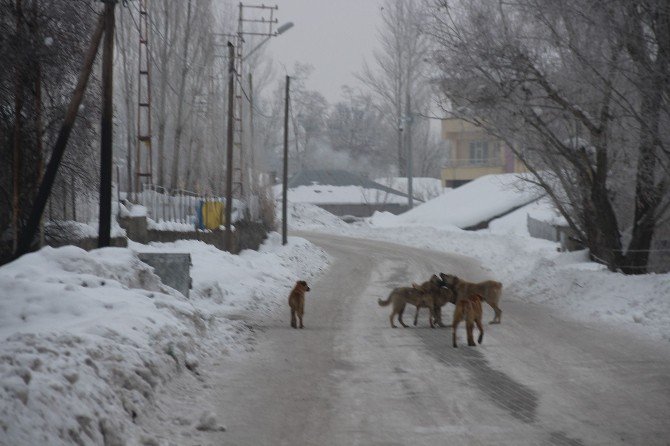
x=444, y=288
x=432, y=294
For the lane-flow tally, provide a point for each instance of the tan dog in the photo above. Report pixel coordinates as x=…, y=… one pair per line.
x=469, y=309
x=441, y=295
x=489, y=290
x=400, y=297
x=296, y=300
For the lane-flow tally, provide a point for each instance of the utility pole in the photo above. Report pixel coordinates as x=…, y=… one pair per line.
x=143, y=155
x=408, y=147
x=243, y=182
x=106, y=129
x=284, y=204
x=229, y=147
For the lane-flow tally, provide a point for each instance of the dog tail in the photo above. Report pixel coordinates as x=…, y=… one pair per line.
x=383, y=303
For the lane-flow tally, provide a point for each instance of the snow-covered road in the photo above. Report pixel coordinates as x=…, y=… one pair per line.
x=348, y=378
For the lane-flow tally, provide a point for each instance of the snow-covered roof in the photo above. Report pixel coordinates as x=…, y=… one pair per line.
x=338, y=187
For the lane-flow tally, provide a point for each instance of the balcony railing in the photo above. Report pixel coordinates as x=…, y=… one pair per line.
x=474, y=163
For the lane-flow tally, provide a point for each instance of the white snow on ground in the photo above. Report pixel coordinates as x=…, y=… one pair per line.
x=515, y=221
x=89, y=337
x=170, y=226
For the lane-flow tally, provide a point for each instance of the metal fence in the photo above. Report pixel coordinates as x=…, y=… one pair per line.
x=180, y=206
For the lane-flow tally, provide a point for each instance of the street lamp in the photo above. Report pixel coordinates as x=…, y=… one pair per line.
x=281, y=30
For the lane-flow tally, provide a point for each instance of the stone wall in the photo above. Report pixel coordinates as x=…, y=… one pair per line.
x=247, y=235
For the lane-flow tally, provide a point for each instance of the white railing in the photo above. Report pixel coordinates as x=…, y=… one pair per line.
x=180, y=206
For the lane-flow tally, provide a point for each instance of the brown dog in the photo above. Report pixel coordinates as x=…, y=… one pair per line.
x=402, y=296
x=469, y=309
x=489, y=291
x=296, y=300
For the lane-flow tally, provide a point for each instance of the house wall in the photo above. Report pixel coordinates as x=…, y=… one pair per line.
x=462, y=167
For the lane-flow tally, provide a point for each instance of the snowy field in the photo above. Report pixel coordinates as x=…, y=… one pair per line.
x=89, y=338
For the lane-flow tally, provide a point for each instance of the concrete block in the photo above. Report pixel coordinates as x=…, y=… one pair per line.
x=174, y=269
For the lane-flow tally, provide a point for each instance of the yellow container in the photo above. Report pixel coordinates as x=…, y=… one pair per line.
x=212, y=214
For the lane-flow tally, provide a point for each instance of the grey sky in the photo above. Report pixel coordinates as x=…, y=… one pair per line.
x=334, y=36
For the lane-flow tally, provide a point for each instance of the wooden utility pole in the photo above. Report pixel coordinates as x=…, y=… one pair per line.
x=30, y=229
x=284, y=204
x=106, y=128
x=229, y=147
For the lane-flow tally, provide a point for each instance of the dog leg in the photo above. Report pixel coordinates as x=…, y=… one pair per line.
x=300, y=319
x=454, y=325
x=293, y=322
x=416, y=316
x=391, y=320
x=497, y=313
x=469, y=327
x=400, y=318
x=453, y=334
x=481, y=330
x=438, y=316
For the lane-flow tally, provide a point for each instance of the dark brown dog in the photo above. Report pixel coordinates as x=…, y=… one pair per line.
x=296, y=300
x=441, y=295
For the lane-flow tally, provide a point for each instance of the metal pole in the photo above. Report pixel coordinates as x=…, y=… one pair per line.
x=284, y=206
x=106, y=128
x=229, y=147
x=410, y=164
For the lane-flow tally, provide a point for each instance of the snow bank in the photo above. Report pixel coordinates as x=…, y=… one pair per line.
x=88, y=337
x=587, y=291
x=516, y=221
x=304, y=216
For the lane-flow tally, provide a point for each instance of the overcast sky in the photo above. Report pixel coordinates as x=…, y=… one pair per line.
x=334, y=36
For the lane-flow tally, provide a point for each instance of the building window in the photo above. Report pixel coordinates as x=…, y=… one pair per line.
x=479, y=152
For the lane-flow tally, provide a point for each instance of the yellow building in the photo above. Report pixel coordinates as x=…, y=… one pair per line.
x=474, y=153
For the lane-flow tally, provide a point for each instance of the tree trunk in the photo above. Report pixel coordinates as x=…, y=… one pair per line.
x=179, y=125
x=162, y=95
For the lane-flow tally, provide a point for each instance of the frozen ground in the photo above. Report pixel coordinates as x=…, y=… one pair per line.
x=96, y=350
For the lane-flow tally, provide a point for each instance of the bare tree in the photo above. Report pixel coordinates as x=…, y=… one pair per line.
x=42, y=50
x=399, y=67
x=579, y=90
